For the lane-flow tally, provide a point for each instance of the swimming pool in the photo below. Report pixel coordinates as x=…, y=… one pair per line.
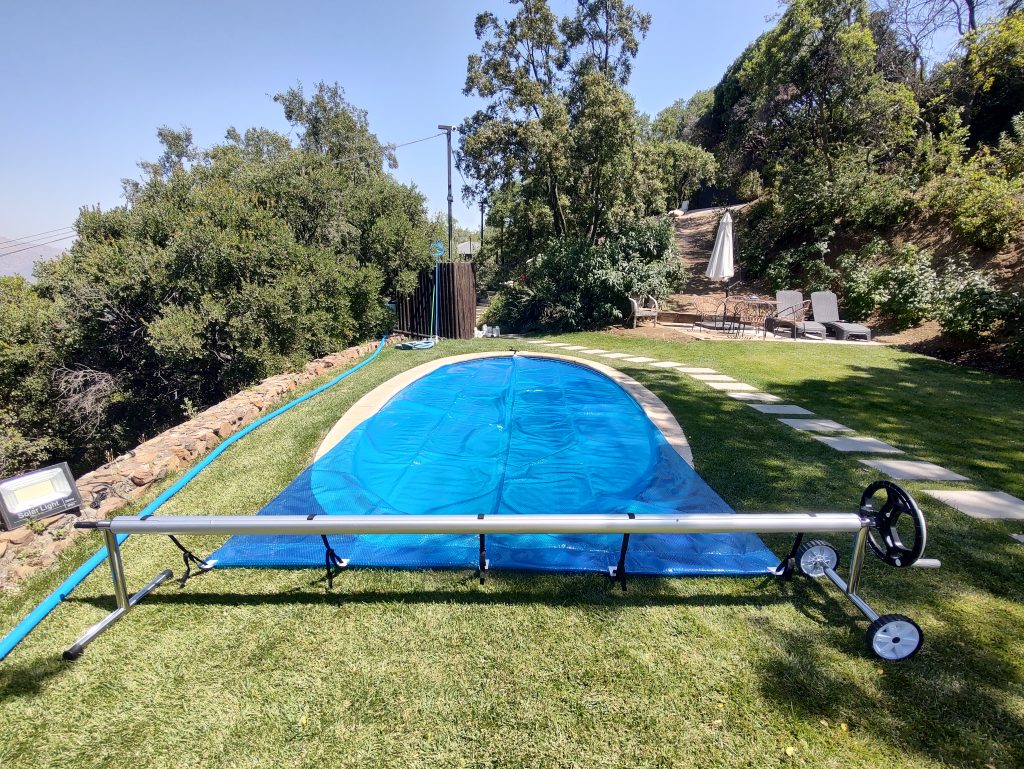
x=509, y=435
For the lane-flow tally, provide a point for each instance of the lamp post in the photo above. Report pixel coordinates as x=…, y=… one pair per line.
x=448, y=130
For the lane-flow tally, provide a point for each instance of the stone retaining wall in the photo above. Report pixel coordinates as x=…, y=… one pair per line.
x=131, y=476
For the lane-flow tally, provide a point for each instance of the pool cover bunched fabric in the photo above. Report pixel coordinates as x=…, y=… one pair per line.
x=505, y=435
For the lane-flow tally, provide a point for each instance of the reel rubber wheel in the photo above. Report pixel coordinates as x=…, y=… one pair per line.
x=814, y=555
x=894, y=637
x=883, y=538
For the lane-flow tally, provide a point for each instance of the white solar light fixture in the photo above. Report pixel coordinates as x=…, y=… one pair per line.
x=38, y=494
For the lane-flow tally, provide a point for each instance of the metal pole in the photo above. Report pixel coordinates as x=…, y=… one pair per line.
x=116, y=568
x=448, y=131
x=600, y=523
x=857, y=561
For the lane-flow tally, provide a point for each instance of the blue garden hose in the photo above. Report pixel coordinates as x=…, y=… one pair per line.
x=48, y=604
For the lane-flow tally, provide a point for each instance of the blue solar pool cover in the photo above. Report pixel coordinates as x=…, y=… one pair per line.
x=505, y=435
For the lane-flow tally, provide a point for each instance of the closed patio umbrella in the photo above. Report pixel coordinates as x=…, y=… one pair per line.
x=720, y=266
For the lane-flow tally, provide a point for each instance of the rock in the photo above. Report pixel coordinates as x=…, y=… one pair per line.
x=3, y=548
x=181, y=453
x=18, y=536
x=55, y=522
x=108, y=506
x=143, y=476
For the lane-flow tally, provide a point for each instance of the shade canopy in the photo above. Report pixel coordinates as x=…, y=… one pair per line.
x=720, y=266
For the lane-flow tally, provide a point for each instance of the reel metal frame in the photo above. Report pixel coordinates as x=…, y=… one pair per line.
x=889, y=636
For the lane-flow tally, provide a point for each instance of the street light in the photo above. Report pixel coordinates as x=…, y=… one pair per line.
x=448, y=130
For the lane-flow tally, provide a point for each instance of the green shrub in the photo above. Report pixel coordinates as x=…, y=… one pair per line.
x=575, y=285
x=860, y=287
x=898, y=282
x=750, y=187
x=1012, y=319
x=802, y=267
x=984, y=206
x=907, y=287
x=969, y=306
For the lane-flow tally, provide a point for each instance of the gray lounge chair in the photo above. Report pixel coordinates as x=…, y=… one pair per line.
x=826, y=311
x=791, y=315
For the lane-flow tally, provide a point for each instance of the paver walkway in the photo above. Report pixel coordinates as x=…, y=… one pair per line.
x=772, y=408
x=982, y=504
x=859, y=443
x=816, y=425
x=906, y=470
x=978, y=504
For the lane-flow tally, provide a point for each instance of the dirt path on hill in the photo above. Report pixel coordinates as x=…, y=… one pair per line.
x=694, y=239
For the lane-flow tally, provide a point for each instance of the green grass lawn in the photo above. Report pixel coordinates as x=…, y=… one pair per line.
x=263, y=668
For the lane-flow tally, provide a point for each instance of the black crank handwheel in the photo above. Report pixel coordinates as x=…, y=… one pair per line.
x=883, y=537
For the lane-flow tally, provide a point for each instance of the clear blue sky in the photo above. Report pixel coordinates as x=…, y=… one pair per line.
x=84, y=85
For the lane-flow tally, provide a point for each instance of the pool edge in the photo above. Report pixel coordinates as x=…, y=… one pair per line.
x=653, y=407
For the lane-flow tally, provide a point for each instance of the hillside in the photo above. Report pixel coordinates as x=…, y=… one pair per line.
x=695, y=237
x=15, y=261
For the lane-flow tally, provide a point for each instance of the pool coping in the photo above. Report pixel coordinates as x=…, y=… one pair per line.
x=373, y=401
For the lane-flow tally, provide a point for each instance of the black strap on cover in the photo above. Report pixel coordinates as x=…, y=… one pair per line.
x=620, y=568
x=332, y=563
x=482, y=570
x=787, y=565
x=190, y=559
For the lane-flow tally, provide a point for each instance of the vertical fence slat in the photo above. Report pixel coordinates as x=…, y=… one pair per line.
x=456, y=302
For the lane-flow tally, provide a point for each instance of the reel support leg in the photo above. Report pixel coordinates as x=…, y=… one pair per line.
x=125, y=602
x=850, y=588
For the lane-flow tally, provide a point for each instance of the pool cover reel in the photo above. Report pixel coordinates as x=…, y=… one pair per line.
x=891, y=636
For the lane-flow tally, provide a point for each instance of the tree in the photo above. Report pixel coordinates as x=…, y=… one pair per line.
x=29, y=427
x=685, y=169
x=225, y=265
x=917, y=23
x=994, y=69
x=680, y=120
x=558, y=126
x=333, y=127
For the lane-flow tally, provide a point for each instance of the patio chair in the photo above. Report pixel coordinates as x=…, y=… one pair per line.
x=704, y=307
x=643, y=307
x=791, y=315
x=826, y=312
x=753, y=314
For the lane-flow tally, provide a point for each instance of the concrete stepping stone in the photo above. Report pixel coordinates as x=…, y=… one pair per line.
x=712, y=378
x=905, y=470
x=575, y=347
x=1018, y=537
x=982, y=504
x=536, y=341
x=557, y=344
x=698, y=370
x=780, y=409
x=858, y=443
x=816, y=425
x=734, y=386
x=639, y=359
x=666, y=364
x=616, y=355
x=755, y=396
x=595, y=351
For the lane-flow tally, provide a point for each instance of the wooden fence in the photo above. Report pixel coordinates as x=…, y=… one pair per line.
x=456, y=302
